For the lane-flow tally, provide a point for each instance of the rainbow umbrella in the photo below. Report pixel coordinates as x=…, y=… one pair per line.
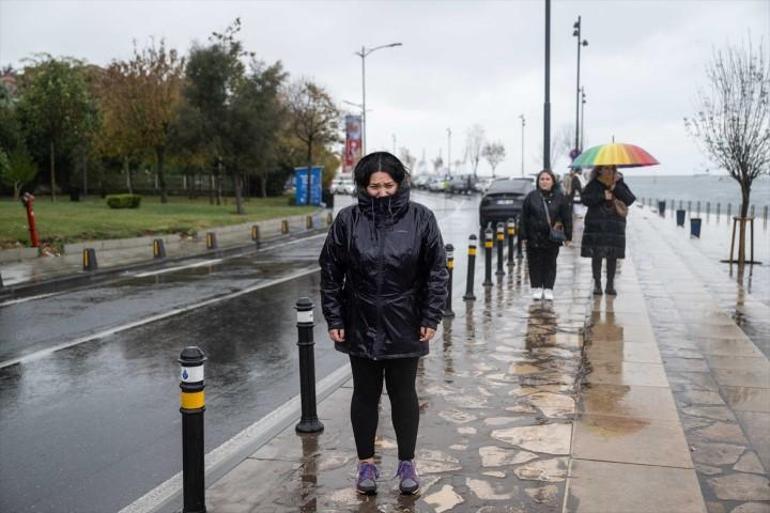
x=614, y=154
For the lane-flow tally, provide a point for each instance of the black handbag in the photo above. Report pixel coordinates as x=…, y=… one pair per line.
x=556, y=235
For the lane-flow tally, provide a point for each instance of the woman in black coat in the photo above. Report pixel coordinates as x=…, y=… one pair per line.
x=535, y=230
x=383, y=288
x=604, y=235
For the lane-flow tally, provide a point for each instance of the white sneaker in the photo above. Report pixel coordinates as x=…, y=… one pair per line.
x=537, y=293
x=548, y=294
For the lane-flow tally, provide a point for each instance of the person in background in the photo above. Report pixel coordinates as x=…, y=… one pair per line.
x=604, y=236
x=572, y=186
x=544, y=209
x=383, y=289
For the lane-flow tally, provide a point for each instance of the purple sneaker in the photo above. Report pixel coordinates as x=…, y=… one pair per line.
x=366, y=483
x=410, y=483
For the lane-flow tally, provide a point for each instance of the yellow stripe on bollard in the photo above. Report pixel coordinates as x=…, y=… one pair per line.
x=500, y=236
x=192, y=400
x=488, y=244
x=450, y=264
x=85, y=259
x=471, y=251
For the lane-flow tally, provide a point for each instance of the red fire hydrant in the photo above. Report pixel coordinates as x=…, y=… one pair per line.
x=28, y=199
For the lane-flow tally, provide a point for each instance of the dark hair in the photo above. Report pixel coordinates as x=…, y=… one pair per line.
x=549, y=173
x=379, y=161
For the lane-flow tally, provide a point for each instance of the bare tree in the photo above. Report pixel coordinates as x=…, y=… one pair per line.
x=473, y=144
x=314, y=118
x=732, y=123
x=407, y=158
x=494, y=152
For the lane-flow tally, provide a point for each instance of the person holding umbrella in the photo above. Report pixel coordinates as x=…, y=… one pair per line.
x=607, y=197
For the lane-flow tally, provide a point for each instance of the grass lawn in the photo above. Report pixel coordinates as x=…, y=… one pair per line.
x=66, y=221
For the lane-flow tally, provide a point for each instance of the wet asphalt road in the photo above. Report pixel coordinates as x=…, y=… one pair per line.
x=94, y=426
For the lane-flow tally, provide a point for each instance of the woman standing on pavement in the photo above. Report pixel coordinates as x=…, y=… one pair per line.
x=546, y=217
x=607, y=197
x=383, y=288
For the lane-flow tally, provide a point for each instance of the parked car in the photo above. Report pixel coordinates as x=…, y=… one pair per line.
x=461, y=184
x=503, y=200
x=420, y=181
x=342, y=185
x=437, y=184
x=482, y=184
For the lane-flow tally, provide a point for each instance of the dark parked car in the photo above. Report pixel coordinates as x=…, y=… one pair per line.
x=503, y=200
x=461, y=184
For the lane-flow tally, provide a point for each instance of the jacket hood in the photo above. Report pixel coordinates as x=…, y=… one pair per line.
x=386, y=207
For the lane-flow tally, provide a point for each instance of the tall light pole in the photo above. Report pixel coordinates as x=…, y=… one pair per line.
x=523, y=123
x=547, y=103
x=580, y=42
x=449, y=151
x=394, y=143
x=363, y=54
x=582, y=116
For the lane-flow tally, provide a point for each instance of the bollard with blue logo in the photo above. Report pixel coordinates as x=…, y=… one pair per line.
x=695, y=223
x=450, y=265
x=309, y=422
x=192, y=405
x=680, y=215
x=469, y=296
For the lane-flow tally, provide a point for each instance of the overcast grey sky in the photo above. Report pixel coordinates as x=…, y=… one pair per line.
x=461, y=62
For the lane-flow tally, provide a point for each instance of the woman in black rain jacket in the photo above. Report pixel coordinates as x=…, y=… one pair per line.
x=534, y=228
x=383, y=289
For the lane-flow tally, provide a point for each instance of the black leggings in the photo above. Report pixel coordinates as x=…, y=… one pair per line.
x=542, y=266
x=596, y=267
x=399, y=377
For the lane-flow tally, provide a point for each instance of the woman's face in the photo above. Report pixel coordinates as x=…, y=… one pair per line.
x=381, y=184
x=545, y=182
x=606, y=170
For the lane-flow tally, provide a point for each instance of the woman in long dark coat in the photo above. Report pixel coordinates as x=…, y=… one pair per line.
x=604, y=236
x=535, y=230
x=383, y=288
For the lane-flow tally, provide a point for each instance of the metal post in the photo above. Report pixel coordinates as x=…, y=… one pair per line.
x=511, y=233
x=469, y=296
x=211, y=240
x=764, y=213
x=450, y=265
x=500, y=247
x=547, y=103
x=309, y=422
x=192, y=405
x=158, y=249
x=697, y=207
x=689, y=207
x=89, y=259
x=488, y=257
x=719, y=210
x=309, y=222
x=729, y=210
x=255, y=236
x=751, y=211
x=680, y=204
x=284, y=226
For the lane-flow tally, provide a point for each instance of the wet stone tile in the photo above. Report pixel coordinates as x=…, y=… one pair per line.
x=710, y=412
x=749, y=462
x=699, y=397
x=552, y=470
x=547, y=438
x=685, y=364
x=716, y=453
x=741, y=487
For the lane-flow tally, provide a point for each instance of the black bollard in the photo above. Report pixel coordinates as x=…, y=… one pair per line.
x=309, y=222
x=695, y=224
x=192, y=405
x=500, y=247
x=89, y=260
x=697, y=207
x=708, y=208
x=519, y=252
x=662, y=208
x=329, y=218
x=488, y=257
x=469, y=296
x=511, y=233
x=255, y=236
x=729, y=210
x=764, y=213
x=211, y=240
x=450, y=265
x=719, y=210
x=284, y=227
x=309, y=422
x=680, y=214
x=689, y=207
x=158, y=249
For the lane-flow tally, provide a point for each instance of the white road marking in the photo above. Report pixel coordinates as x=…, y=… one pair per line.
x=45, y=352
x=177, y=268
x=25, y=299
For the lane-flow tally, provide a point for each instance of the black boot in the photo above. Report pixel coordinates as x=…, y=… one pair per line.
x=611, y=265
x=596, y=268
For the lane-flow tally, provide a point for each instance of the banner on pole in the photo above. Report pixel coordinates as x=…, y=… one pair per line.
x=300, y=185
x=352, y=142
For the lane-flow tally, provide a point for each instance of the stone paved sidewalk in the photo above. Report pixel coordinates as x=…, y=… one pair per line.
x=525, y=407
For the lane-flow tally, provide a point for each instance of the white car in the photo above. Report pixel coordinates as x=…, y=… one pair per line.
x=342, y=185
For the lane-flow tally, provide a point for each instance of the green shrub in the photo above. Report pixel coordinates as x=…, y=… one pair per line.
x=124, y=201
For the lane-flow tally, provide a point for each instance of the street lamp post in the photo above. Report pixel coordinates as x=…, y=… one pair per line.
x=523, y=123
x=547, y=104
x=580, y=42
x=363, y=54
x=449, y=151
x=582, y=116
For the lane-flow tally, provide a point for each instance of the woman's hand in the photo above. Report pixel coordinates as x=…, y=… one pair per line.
x=608, y=195
x=426, y=333
x=337, y=335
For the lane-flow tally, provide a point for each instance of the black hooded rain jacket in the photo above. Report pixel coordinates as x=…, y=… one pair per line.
x=383, y=276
